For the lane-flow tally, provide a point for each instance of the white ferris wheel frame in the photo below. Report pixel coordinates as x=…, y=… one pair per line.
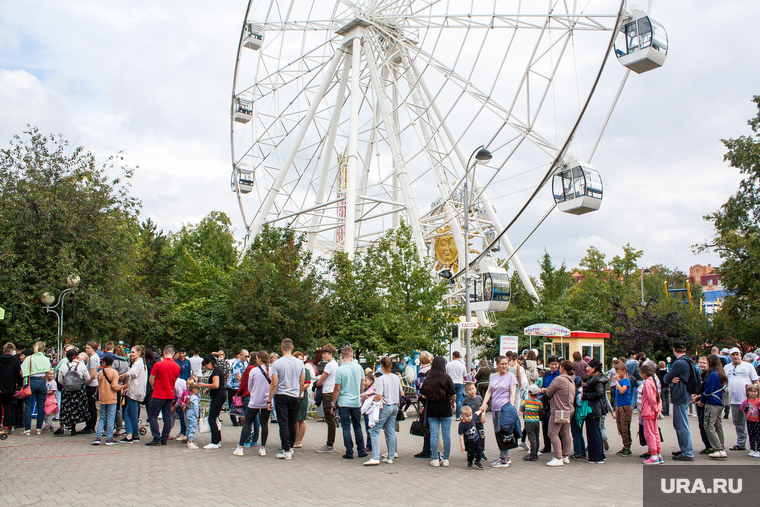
x=355, y=33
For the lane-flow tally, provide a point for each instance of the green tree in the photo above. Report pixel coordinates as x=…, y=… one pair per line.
x=276, y=293
x=62, y=214
x=385, y=301
x=737, y=229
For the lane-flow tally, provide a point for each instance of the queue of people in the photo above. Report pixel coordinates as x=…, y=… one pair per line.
x=558, y=401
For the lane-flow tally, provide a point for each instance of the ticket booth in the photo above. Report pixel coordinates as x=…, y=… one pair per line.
x=589, y=344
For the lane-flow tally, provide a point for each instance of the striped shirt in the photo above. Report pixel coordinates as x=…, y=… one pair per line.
x=531, y=408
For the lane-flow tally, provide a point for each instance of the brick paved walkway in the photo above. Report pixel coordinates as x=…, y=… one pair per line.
x=63, y=471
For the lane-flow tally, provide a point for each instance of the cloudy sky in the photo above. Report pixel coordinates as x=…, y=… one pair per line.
x=154, y=79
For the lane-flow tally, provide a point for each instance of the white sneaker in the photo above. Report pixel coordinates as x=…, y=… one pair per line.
x=435, y=463
x=262, y=452
x=566, y=460
x=238, y=451
x=211, y=446
x=523, y=446
x=191, y=445
x=445, y=462
x=372, y=462
x=395, y=455
x=757, y=454
x=555, y=463
x=285, y=455
x=386, y=460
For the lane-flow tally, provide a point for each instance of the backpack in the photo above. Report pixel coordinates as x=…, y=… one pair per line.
x=72, y=381
x=694, y=383
x=120, y=365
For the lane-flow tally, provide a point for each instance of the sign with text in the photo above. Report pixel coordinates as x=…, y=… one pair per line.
x=695, y=486
x=507, y=343
x=469, y=325
x=546, y=330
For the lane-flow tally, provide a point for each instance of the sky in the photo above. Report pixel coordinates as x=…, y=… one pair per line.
x=154, y=80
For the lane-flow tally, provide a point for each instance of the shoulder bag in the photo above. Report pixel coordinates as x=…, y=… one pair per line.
x=563, y=416
x=27, y=390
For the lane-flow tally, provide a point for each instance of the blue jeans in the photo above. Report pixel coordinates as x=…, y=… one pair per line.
x=351, y=416
x=163, y=407
x=131, y=416
x=681, y=425
x=107, y=417
x=387, y=420
x=595, y=447
x=182, y=426
x=459, y=388
x=579, y=444
x=442, y=424
x=39, y=391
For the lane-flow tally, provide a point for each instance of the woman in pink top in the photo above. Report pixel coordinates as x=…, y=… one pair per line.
x=258, y=387
x=502, y=387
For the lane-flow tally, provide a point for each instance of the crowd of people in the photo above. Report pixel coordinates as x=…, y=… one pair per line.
x=542, y=409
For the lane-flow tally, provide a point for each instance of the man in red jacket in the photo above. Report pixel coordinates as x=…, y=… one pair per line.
x=163, y=376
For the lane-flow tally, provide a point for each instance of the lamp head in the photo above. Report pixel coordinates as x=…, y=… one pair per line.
x=47, y=299
x=647, y=271
x=72, y=280
x=483, y=155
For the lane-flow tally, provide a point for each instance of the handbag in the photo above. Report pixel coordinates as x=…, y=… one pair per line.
x=563, y=416
x=237, y=401
x=420, y=428
x=27, y=390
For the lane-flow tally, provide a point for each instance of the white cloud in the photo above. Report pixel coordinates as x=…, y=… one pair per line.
x=154, y=79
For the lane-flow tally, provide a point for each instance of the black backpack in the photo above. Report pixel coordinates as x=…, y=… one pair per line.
x=72, y=381
x=694, y=383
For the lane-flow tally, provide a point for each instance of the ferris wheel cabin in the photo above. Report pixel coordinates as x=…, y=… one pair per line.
x=492, y=291
x=642, y=44
x=254, y=35
x=243, y=110
x=577, y=188
x=244, y=178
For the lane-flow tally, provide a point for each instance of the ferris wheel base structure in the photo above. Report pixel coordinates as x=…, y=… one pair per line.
x=346, y=118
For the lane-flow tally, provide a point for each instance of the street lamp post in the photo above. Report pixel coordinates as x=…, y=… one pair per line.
x=47, y=299
x=481, y=155
x=644, y=271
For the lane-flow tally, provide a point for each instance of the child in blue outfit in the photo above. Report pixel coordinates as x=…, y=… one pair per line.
x=469, y=437
x=192, y=414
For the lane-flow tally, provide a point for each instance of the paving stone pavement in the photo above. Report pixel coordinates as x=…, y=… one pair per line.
x=69, y=471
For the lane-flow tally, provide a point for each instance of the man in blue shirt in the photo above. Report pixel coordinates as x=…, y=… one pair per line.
x=346, y=398
x=184, y=364
x=678, y=377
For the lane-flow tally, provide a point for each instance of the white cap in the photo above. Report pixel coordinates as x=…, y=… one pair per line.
x=735, y=350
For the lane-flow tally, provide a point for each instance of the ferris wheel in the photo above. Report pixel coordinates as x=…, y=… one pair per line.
x=348, y=117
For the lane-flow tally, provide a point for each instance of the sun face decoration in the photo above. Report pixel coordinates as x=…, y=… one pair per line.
x=446, y=250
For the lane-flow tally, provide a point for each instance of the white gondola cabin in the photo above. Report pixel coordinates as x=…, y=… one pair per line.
x=577, y=188
x=244, y=178
x=243, y=110
x=254, y=35
x=492, y=290
x=642, y=44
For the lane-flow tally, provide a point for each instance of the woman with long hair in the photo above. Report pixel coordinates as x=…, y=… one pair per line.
x=502, y=388
x=137, y=380
x=712, y=401
x=440, y=401
x=218, y=396
x=258, y=388
x=595, y=392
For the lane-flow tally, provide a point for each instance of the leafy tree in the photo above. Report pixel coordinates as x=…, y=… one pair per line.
x=62, y=214
x=276, y=293
x=623, y=267
x=737, y=229
x=385, y=301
